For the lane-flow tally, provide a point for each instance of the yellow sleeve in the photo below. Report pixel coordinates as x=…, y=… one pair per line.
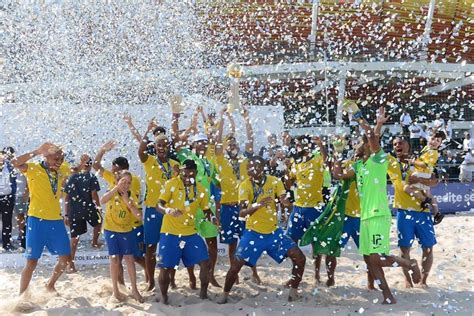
x=136, y=188
x=245, y=192
x=65, y=169
x=173, y=164
x=279, y=188
x=430, y=157
x=167, y=193
x=108, y=177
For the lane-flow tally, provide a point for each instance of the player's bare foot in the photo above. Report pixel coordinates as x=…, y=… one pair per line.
x=330, y=282
x=389, y=300
x=137, y=296
x=120, y=296
x=51, y=289
x=97, y=245
x=416, y=275
x=293, y=295
x=163, y=299
x=256, y=279
x=423, y=285
x=223, y=298
x=203, y=294
x=151, y=286
x=371, y=287
x=408, y=284
x=192, y=282
x=173, y=285
x=214, y=282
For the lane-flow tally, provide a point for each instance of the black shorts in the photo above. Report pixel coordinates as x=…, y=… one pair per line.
x=78, y=221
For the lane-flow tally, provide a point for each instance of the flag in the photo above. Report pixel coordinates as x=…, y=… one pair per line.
x=325, y=233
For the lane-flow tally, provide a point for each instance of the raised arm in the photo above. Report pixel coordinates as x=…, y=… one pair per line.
x=248, y=127
x=322, y=149
x=97, y=164
x=381, y=120
x=135, y=133
x=232, y=122
x=142, y=154
x=220, y=131
x=45, y=149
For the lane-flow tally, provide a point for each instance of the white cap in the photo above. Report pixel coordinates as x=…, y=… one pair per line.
x=199, y=137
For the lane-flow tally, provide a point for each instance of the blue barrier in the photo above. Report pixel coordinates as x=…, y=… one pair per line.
x=451, y=197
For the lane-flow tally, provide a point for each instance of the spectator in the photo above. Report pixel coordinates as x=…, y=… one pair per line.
x=415, y=134
x=467, y=167
x=7, y=196
x=438, y=124
x=467, y=143
x=424, y=134
x=21, y=206
x=405, y=122
x=286, y=139
x=266, y=151
x=449, y=130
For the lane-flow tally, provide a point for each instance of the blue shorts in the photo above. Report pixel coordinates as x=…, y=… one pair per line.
x=413, y=224
x=120, y=244
x=216, y=192
x=140, y=244
x=231, y=226
x=190, y=249
x=49, y=233
x=152, y=226
x=301, y=219
x=351, y=229
x=252, y=245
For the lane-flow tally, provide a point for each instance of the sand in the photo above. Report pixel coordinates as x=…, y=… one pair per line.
x=89, y=291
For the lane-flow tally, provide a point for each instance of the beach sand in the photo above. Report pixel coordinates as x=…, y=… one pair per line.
x=89, y=291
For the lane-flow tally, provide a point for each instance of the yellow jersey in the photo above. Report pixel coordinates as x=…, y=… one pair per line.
x=188, y=200
x=230, y=175
x=309, y=176
x=430, y=158
x=109, y=177
x=265, y=219
x=353, y=199
x=45, y=187
x=118, y=218
x=398, y=172
x=157, y=173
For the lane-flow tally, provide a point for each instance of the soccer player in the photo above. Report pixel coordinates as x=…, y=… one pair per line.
x=206, y=174
x=232, y=170
x=110, y=176
x=158, y=170
x=118, y=231
x=257, y=196
x=412, y=220
x=179, y=203
x=45, y=223
x=308, y=172
x=371, y=176
x=82, y=206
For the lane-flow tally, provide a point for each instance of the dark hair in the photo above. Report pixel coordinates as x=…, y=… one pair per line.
x=8, y=150
x=440, y=134
x=121, y=162
x=402, y=138
x=159, y=130
x=189, y=164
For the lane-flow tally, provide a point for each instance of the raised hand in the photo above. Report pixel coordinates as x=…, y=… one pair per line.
x=127, y=118
x=152, y=124
x=382, y=118
x=108, y=146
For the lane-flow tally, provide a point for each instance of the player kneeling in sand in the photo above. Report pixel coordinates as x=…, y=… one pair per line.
x=257, y=196
x=179, y=202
